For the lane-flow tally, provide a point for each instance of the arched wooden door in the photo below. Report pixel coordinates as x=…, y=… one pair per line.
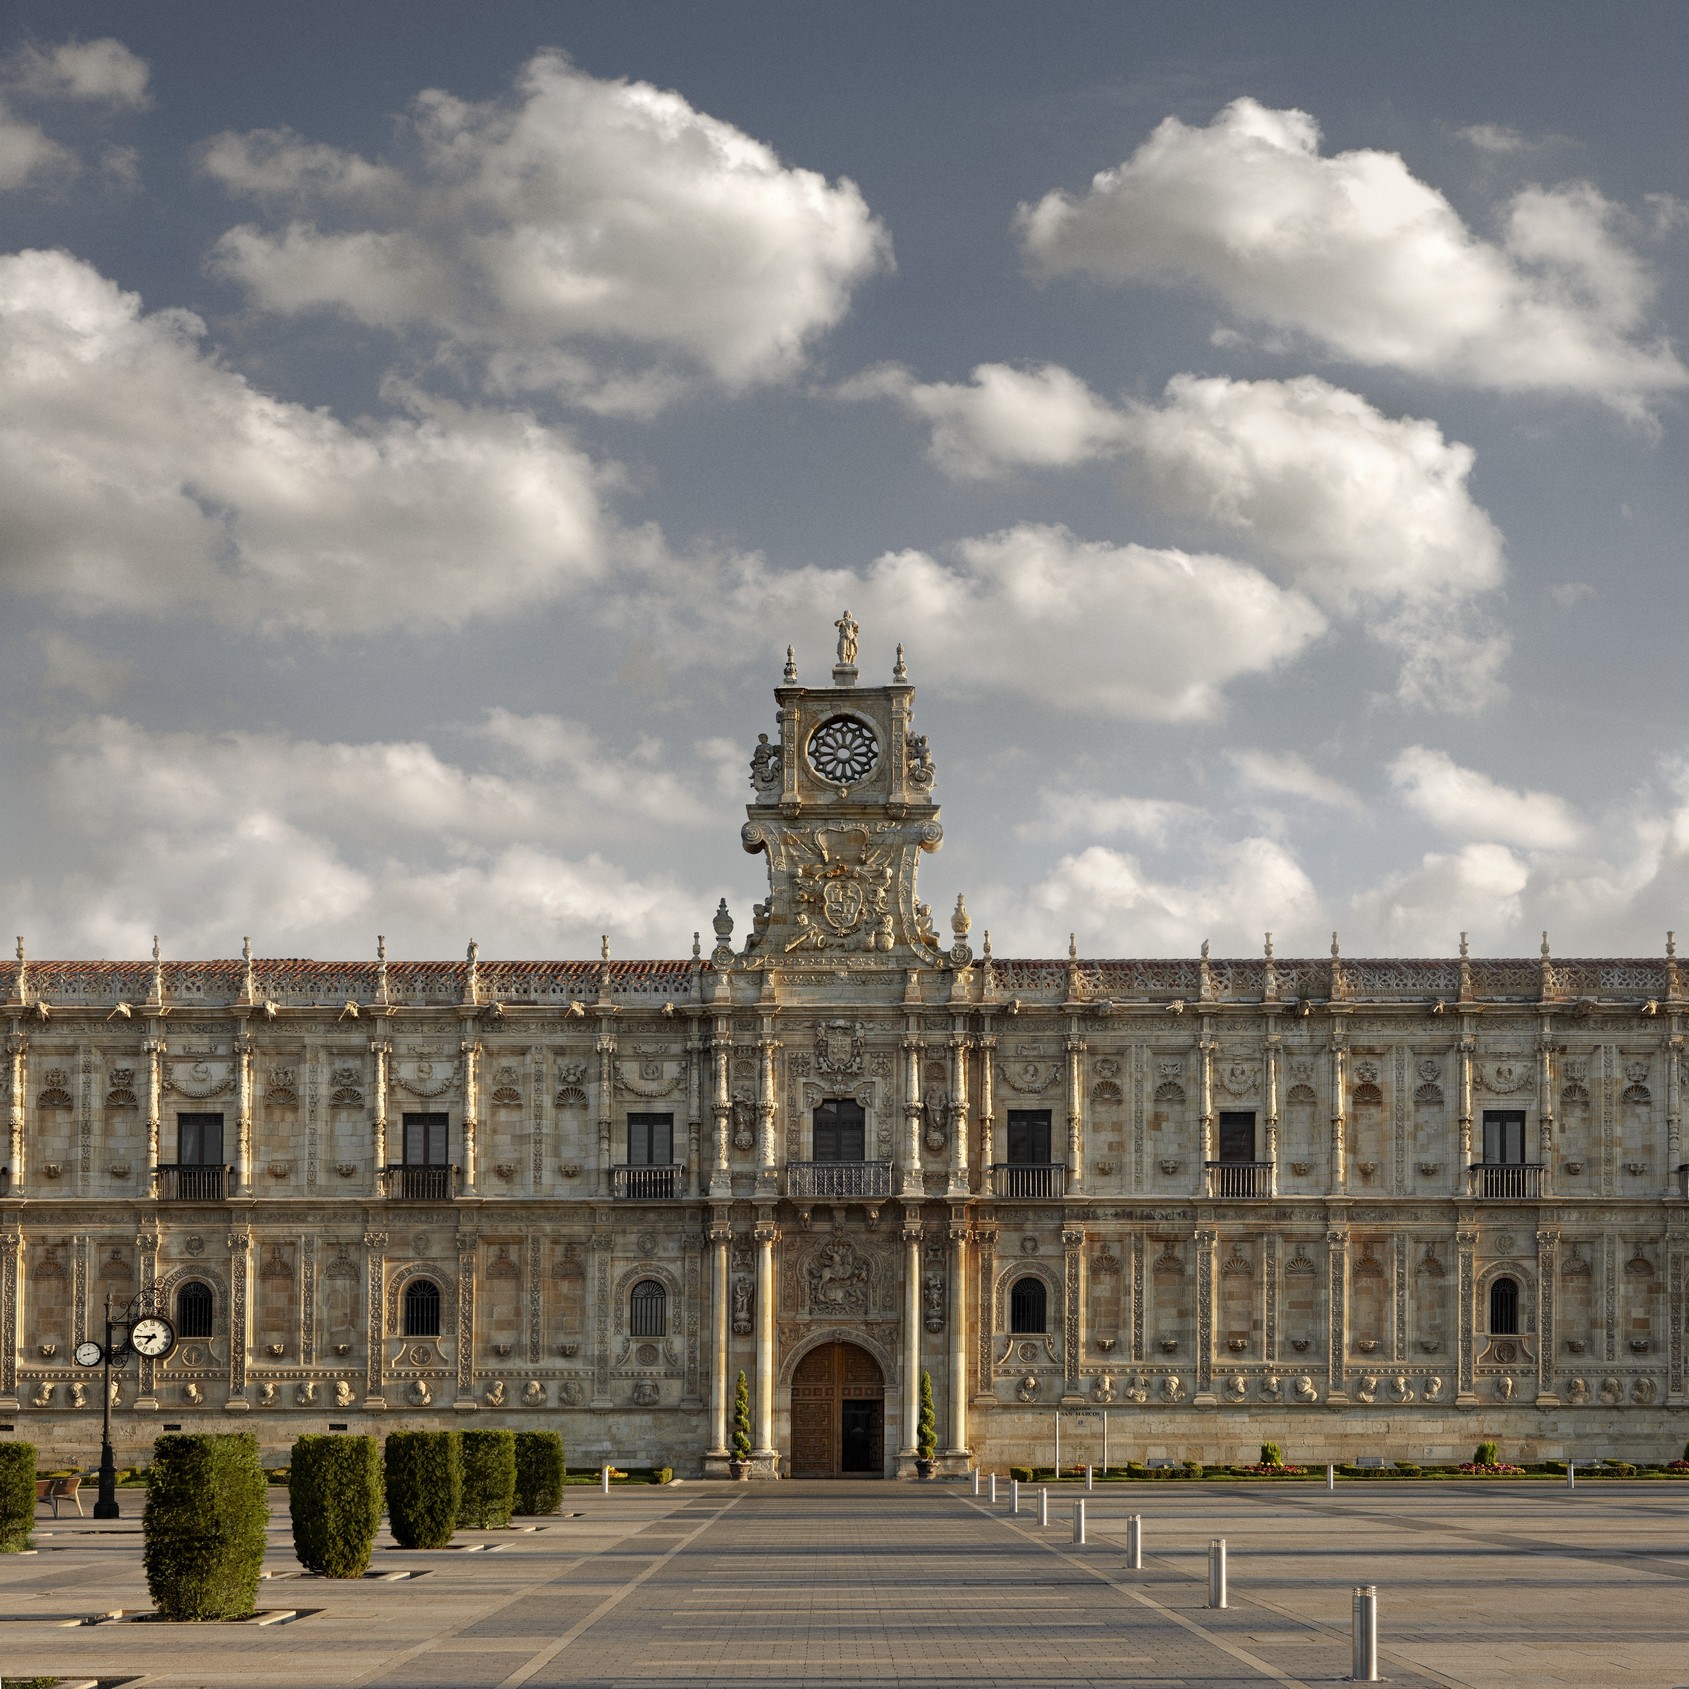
x=838, y=1414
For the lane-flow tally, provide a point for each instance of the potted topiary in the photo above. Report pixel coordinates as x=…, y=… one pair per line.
x=1272, y=1455
x=926, y=1431
x=739, y=1465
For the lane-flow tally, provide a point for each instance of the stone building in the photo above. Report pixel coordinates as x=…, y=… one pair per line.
x=1357, y=1206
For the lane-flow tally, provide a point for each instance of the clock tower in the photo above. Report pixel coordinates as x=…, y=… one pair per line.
x=844, y=807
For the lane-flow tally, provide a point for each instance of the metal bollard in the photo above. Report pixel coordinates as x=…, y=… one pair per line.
x=1014, y=1495
x=993, y=1497
x=1571, y=1481
x=1043, y=1507
x=1089, y=1470
x=1079, y=1521
x=1135, y=1543
x=1366, y=1635
x=1217, y=1572
x=604, y=1478
x=1330, y=1476
x=976, y=1483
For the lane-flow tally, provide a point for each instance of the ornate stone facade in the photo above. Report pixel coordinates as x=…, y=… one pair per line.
x=1356, y=1206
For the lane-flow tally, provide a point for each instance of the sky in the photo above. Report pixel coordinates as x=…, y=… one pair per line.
x=423, y=428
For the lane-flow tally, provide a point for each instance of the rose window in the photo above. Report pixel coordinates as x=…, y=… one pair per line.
x=843, y=750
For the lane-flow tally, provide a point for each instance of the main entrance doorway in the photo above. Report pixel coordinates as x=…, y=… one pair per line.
x=838, y=1414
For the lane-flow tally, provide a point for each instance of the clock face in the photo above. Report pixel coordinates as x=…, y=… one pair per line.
x=843, y=750
x=89, y=1354
x=152, y=1337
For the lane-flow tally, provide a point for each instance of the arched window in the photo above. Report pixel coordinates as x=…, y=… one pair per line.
x=1504, y=1307
x=422, y=1308
x=648, y=1310
x=1027, y=1305
x=194, y=1307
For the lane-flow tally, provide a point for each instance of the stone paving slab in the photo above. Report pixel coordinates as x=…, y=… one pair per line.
x=767, y=1586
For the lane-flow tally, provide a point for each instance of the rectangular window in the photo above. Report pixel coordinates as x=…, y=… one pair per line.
x=839, y=1130
x=425, y=1140
x=1237, y=1134
x=650, y=1140
x=1029, y=1137
x=199, y=1140
x=1504, y=1137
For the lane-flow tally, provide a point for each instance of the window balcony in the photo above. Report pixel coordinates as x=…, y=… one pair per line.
x=419, y=1184
x=1240, y=1181
x=1506, y=1181
x=838, y=1178
x=1017, y=1180
x=646, y=1184
x=192, y=1182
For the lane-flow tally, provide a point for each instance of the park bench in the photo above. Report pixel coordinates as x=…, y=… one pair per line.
x=55, y=1490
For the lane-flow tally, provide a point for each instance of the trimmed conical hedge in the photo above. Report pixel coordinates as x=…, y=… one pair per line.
x=489, y=1480
x=334, y=1492
x=203, y=1527
x=424, y=1486
x=539, y=1471
x=17, y=1496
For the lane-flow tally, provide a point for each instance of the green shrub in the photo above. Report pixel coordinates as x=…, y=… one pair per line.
x=1408, y=1468
x=1622, y=1467
x=540, y=1472
x=1023, y=1473
x=742, y=1418
x=17, y=1496
x=926, y=1426
x=1487, y=1454
x=424, y=1486
x=663, y=1475
x=203, y=1527
x=1193, y=1468
x=489, y=1480
x=1272, y=1455
x=334, y=1494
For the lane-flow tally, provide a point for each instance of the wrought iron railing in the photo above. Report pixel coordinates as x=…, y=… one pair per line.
x=838, y=1178
x=1017, y=1180
x=419, y=1184
x=646, y=1184
x=1240, y=1181
x=193, y=1183
x=1512, y=1181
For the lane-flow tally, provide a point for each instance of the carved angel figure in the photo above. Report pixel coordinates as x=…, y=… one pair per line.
x=744, y=1121
x=742, y=1295
x=765, y=765
x=935, y=1111
x=922, y=773
x=848, y=629
x=932, y=1300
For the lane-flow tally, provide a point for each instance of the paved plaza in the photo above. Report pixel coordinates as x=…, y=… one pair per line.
x=868, y=1583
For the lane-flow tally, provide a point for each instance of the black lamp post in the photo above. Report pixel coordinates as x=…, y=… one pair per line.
x=140, y=1333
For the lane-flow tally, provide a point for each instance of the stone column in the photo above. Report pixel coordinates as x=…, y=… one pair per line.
x=1465, y=1245
x=1073, y=1309
x=153, y=1049
x=1674, y=1109
x=694, y=1110
x=1205, y=1047
x=1075, y=1114
x=721, y=1238
x=985, y=1253
x=11, y=1254
x=1271, y=1087
x=243, y=1111
x=1548, y=1340
x=1463, y=1154
x=375, y=1276
x=1337, y=1314
x=146, y=1251
x=17, y=1047
x=1545, y=1104
x=958, y=1338
x=605, y=1049
x=1339, y=1112
x=240, y=1315
x=768, y=1137
x=911, y=1183
x=911, y=1330
x=381, y=1052
x=720, y=1183
x=1205, y=1240
x=471, y=1110
x=767, y=1235
x=987, y=1047
x=960, y=1125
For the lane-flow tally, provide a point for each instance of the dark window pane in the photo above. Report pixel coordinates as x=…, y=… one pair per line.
x=422, y=1308
x=650, y=1140
x=648, y=1311
x=199, y=1140
x=1504, y=1136
x=840, y=1130
x=1504, y=1307
x=1029, y=1139
x=1027, y=1306
x=1237, y=1135
x=425, y=1140
x=194, y=1307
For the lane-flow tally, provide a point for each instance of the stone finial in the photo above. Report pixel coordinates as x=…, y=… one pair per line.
x=1205, y=950
x=1204, y=976
x=1338, y=988
x=381, y=967
x=472, y=977
x=1270, y=980
x=1073, y=947
x=1546, y=989
x=985, y=950
x=23, y=972
x=961, y=922
x=723, y=922
x=900, y=669
x=1335, y=950
x=604, y=947
x=697, y=948
x=246, y=991
x=157, y=971
x=1465, y=970
x=1674, y=988
x=791, y=674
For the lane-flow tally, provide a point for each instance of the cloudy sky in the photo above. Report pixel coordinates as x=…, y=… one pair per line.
x=423, y=428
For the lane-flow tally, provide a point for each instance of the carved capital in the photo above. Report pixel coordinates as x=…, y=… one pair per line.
x=766, y=1232
x=375, y=1240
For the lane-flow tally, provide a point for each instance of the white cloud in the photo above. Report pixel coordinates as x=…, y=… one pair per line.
x=1492, y=137
x=1356, y=254
x=201, y=835
x=600, y=239
x=26, y=151
x=1063, y=813
x=1031, y=613
x=1362, y=512
x=138, y=474
x=1477, y=889
x=1570, y=594
x=102, y=72
x=1467, y=804
x=1237, y=890
x=1292, y=775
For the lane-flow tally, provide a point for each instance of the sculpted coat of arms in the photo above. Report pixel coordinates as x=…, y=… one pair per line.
x=838, y=1046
